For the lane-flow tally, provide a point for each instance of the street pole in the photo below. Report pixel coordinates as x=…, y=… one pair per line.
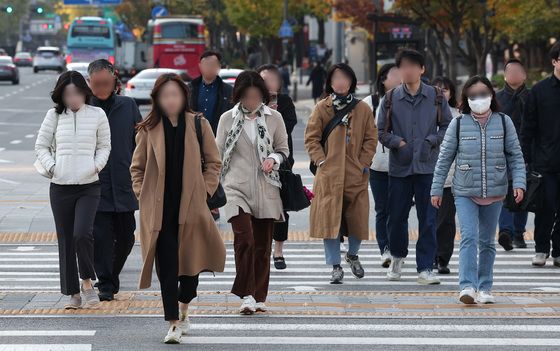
x=373, y=52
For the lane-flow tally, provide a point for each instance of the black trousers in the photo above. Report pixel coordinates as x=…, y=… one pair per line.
x=446, y=228
x=74, y=208
x=281, y=229
x=174, y=288
x=114, y=239
x=545, y=218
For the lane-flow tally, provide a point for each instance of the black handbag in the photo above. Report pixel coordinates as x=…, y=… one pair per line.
x=219, y=198
x=292, y=194
x=335, y=121
x=532, y=199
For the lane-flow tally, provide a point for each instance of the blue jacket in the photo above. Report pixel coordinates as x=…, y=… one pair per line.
x=482, y=163
x=415, y=122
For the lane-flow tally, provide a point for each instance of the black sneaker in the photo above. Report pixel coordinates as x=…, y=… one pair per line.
x=443, y=269
x=504, y=239
x=279, y=263
x=355, y=266
x=519, y=242
x=106, y=296
x=337, y=275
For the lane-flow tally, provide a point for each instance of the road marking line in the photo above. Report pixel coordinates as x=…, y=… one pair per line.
x=15, y=142
x=11, y=182
x=29, y=136
x=27, y=266
x=45, y=347
x=5, y=161
x=28, y=273
x=47, y=332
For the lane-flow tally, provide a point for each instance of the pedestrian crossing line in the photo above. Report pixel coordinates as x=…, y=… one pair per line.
x=45, y=347
x=4, y=333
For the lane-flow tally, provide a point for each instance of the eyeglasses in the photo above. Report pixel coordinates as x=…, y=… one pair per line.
x=479, y=96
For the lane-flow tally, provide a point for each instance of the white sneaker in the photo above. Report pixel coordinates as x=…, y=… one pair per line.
x=173, y=335
x=260, y=307
x=467, y=296
x=428, y=277
x=248, y=306
x=394, y=272
x=184, y=323
x=485, y=297
x=343, y=248
x=386, y=259
x=539, y=259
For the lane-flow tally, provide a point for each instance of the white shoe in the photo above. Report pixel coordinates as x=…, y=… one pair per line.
x=173, y=335
x=395, y=269
x=485, y=297
x=260, y=307
x=248, y=306
x=539, y=259
x=428, y=277
x=467, y=296
x=184, y=323
x=386, y=259
x=343, y=248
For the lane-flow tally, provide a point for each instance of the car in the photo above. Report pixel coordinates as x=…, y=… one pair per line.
x=23, y=59
x=8, y=71
x=48, y=58
x=140, y=86
x=229, y=75
x=80, y=67
x=3, y=52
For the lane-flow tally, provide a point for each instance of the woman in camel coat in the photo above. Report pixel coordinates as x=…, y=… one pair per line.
x=341, y=204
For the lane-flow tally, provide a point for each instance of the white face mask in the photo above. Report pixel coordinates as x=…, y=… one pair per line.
x=480, y=105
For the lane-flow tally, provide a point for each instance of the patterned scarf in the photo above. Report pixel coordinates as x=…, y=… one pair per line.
x=339, y=102
x=264, y=141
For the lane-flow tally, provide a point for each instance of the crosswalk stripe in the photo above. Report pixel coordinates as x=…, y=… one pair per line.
x=45, y=347
x=47, y=333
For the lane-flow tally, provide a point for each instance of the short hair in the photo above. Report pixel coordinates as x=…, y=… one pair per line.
x=554, y=51
x=100, y=65
x=246, y=80
x=382, y=77
x=465, y=108
x=410, y=55
x=513, y=61
x=209, y=53
x=347, y=71
x=65, y=79
x=444, y=82
x=271, y=68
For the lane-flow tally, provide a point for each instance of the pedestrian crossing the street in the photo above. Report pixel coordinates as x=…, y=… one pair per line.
x=36, y=269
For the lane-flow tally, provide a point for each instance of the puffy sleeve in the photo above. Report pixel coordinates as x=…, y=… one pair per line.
x=103, y=146
x=45, y=137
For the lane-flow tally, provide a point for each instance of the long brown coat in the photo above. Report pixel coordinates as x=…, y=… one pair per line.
x=341, y=185
x=200, y=246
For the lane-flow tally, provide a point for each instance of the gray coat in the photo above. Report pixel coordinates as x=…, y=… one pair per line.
x=244, y=184
x=416, y=124
x=482, y=162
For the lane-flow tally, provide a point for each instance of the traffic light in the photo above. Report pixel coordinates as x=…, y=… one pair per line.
x=7, y=9
x=39, y=10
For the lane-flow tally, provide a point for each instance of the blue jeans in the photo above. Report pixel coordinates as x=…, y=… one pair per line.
x=332, y=249
x=477, y=250
x=513, y=223
x=401, y=192
x=379, y=182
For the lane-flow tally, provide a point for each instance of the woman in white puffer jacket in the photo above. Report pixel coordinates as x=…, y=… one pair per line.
x=73, y=144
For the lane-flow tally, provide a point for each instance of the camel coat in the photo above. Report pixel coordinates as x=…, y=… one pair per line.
x=341, y=202
x=200, y=246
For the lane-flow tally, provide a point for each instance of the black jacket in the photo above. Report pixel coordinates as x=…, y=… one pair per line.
x=116, y=183
x=223, y=99
x=317, y=78
x=288, y=110
x=540, y=130
x=512, y=103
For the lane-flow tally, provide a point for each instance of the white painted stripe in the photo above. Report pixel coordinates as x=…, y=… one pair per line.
x=7, y=181
x=29, y=136
x=22, y=253
x=28, y=273
x=47, y=332
x=379, y=327
x=15, y=142
x=28, y=266
x=29, y=259
x=45, y=347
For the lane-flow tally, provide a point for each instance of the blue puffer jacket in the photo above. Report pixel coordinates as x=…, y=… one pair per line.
x=482, y=163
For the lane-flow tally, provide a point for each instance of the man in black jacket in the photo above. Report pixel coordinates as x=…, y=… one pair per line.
x=114, y=222
x=512, y=102
x=540, y=140
x=209, y=94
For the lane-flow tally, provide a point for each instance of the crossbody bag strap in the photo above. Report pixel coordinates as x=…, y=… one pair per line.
x=335, y=121
x=198, y=128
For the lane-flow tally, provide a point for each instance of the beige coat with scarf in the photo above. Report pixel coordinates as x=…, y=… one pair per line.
x=201, y=247
x=341, y=184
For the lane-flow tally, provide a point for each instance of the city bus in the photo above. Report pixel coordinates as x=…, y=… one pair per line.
x=174, y=42
x=89, y=39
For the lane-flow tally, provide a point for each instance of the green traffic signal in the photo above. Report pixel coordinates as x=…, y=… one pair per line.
x=40, y=10
x=9, y=9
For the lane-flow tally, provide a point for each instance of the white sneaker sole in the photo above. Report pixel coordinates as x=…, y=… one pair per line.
x=486, y=302
x=428, y=282
x=393, y=278
x=538, y=264
x=72, y=307
x=247, y=311
x=467, y=300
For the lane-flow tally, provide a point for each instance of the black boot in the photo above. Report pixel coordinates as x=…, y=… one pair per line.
x=504, y=239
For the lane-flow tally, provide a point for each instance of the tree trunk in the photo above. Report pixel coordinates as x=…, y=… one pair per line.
x=321, y=23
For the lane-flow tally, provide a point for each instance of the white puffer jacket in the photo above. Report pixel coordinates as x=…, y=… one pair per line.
x=82, y=141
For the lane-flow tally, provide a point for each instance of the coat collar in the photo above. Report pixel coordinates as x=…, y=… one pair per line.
x=67, y=111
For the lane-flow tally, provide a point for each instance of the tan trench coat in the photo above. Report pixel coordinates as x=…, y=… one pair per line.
x=341, y=186
x=200, y=246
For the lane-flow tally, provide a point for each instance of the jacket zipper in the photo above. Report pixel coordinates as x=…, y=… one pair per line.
x=484, y=178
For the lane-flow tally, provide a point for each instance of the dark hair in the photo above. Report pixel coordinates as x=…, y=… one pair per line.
x=246, y=80
x=410, y=55
x=156, y=114
x=514, y=61
x=464, y=107
x=65, y=79
x=382, y=77
x=444, y=82
x=348, y=72
x=209, y=53
x=99, y=65
x=271, y=68
x=554, y=51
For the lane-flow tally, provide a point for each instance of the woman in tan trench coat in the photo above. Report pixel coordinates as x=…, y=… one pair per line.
x=167, y=174
x=341, y=204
